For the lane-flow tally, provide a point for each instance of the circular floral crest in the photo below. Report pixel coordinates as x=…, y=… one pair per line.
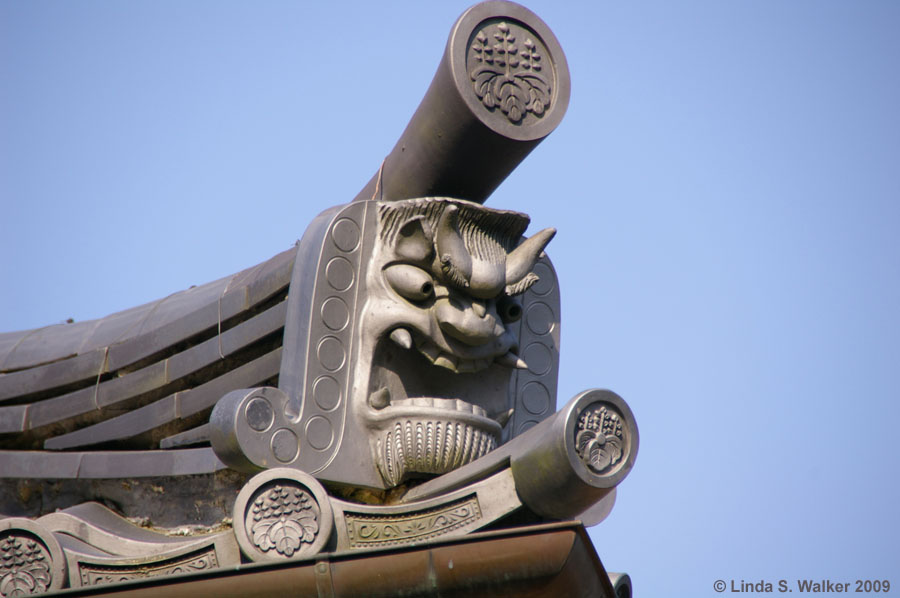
x=508, y=74
x=599, y=440
x=283, y=519
x=24, y=566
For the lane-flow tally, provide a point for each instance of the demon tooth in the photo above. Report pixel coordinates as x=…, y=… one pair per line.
x=446, y=360
x=402, y=337
x=511, y=360
x=430, y=350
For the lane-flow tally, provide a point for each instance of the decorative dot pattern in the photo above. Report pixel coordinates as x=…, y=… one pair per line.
x=331, y=353
x=538, y=358
x=326, y=393
x=335, y=314
x=330, y=333
x=345, y=234
x=539, y=318
x=259, y=414
x=546, y=280
x=319, y=432
x=339, y=274
x=535, y=398
x=535, y=388
x=284, y=445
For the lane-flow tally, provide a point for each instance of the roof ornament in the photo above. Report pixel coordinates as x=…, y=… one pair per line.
x=388, y=382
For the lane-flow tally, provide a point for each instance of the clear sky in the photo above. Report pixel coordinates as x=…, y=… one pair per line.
x=726, y=185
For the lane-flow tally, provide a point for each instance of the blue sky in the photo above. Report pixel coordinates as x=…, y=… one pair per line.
x=726, y=185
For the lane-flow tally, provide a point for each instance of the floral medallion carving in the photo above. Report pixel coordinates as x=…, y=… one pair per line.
x=283, y=518
x=25, y=565
x=282, y=514
x=31, y=559
x=599, y=439
x=509, y=71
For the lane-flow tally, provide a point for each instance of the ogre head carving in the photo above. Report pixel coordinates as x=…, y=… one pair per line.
x=420, y=335
x=442, y=292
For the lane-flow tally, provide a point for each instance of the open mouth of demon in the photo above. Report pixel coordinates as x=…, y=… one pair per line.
x=429, y=412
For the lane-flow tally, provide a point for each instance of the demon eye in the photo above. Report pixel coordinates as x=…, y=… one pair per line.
x=410, y=282
x=509, y=309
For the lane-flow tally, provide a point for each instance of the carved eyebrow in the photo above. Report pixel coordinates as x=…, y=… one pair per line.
x=414, y=241
x=453, y=275
x=523, y=285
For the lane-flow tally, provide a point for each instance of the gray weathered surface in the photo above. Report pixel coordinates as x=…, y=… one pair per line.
x=133, y=378
x=107, y=464
x=37, y=360
x=151, y=500
x=109, y=393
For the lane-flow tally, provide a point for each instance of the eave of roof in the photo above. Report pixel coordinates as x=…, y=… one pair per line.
x=536, y=561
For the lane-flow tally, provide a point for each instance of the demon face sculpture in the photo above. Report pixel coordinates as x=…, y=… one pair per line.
x=441, y=295
x=420, y=334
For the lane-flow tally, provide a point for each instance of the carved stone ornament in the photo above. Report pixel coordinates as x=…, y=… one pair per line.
x=282, y=519
x=24, y=566
x=506, y=67
x=369, y=531
x=409, y=346
x=282, y=514
x=599, y=437
x=92, y=574
x=102, y=547
x=443, y=292
x=31, y=560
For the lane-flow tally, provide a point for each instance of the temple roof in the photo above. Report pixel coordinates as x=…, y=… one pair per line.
x=140, y=380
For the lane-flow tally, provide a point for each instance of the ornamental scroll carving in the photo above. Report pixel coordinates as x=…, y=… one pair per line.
x=94, y=574
x=369, y=531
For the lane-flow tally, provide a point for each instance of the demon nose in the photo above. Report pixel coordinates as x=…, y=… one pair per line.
x=472, y=321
